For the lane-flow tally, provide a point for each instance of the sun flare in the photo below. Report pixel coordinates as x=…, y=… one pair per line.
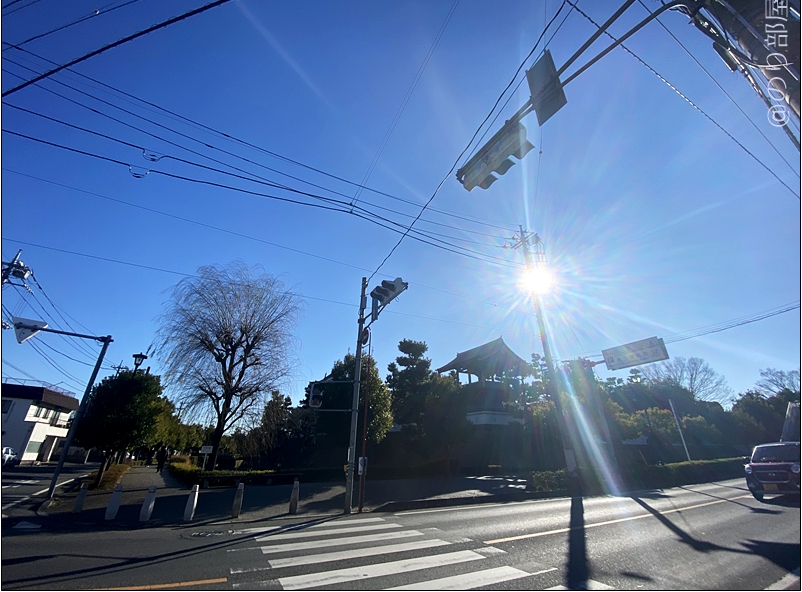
x=538, y=280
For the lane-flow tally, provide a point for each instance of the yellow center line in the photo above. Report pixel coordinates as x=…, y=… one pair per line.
x=608, y=522
x=173, y=585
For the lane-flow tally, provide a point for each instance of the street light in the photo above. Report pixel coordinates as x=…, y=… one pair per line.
x=138, y=359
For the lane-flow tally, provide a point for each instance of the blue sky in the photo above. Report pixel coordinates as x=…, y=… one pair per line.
x=655, y=222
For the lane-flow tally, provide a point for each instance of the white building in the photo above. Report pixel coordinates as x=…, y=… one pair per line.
x=34, y=419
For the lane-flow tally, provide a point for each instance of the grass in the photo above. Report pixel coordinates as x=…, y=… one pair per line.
x=111, y=477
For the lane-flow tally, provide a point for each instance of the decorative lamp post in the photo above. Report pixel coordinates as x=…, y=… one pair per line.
x=138, y=359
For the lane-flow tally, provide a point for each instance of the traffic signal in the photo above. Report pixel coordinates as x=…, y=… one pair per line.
x=494, y=157
x=388, y=290
x=314, y=395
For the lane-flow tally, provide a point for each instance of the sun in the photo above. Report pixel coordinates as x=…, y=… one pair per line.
x=538, y=280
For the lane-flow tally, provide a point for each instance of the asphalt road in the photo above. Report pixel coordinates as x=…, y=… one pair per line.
x=713, y=536
x=23, y=486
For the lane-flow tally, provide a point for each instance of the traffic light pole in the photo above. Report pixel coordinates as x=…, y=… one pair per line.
x=553, y=390
x=349, y=481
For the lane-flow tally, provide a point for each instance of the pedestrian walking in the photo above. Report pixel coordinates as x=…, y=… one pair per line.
x=161, y=458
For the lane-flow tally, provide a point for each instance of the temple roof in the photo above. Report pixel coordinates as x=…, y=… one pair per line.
x=491, y=359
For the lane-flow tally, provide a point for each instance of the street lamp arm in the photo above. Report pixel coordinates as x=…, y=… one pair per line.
x=106, y=339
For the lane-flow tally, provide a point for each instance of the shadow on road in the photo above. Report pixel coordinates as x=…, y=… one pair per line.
x=577, y=572
x=785, y=555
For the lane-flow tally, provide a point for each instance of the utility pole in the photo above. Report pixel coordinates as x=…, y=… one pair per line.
x=522, y=241
x=349, y=481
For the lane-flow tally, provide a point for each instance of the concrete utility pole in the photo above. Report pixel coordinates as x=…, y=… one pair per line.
x=349, y=481
x=522, y=241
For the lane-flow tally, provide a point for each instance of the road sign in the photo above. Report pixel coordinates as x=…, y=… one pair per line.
x=206, y=450
x=26, y=328
x=635, y=353
x=544, y=86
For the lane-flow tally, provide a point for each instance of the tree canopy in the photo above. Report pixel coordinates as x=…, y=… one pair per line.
x=226, y=340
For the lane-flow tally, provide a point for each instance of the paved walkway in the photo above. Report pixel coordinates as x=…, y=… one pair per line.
x=262, y=502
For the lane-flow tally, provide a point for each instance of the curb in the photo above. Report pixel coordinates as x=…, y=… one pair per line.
x=41, y=510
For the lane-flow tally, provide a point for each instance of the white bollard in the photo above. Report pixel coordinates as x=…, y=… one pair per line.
x=294, y=497
x=114, y=502
x=237, y=507
x=192, y=501
x=79, y=501
x=147, y=505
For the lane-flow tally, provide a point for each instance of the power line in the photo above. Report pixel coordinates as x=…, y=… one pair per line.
x=116, y=43
x=94, y=13
x=369, y=216
x=178, y=117
x=224, y=230
x=207, y=145
x=709, y=75
x=19, y=7
x=681, y=94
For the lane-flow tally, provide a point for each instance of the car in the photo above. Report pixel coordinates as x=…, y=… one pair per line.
x=9, y=457
x=773, y=468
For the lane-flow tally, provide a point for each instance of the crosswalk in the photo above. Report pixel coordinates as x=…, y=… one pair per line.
x=370, y=553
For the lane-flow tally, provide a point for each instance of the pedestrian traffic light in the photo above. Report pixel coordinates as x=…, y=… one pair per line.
x=494, y=157
x=314, y=395
x=387, y=291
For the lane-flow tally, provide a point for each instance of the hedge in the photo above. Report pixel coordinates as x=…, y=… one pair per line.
x=634, y=477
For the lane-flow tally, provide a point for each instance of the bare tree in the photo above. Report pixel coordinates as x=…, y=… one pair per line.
x=692, y=374
x=226, y=341
x=773, y=381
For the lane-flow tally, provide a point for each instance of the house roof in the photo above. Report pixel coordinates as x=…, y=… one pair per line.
x=39, y=393
x=491, y=359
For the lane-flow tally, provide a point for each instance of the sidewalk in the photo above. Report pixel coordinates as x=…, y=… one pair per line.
x=261, y=502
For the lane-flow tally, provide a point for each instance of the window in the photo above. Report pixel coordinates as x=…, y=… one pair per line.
x=38, y=411
x=7, y=403
x=33, y=447
x=47, y=414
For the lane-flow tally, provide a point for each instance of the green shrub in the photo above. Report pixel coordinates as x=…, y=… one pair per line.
x=636, y=477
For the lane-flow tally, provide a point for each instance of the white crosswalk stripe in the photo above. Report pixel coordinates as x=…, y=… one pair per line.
x=302, y=548
x=349, y=574
x=315, y=533
x=468, y=581
x=368, y=538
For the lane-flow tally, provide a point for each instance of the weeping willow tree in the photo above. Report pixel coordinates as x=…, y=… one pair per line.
x=226, y=340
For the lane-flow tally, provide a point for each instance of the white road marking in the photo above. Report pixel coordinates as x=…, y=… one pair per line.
x=787, y=581
x=355, y=554
x=19, y=501
x=303, y=534
x=468, y=581
x=616, y=521
x=293, y=527
x=589, y=585
x=329, y=578
x=368, y=538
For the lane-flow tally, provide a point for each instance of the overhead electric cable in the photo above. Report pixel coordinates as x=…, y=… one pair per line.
x=18, y=7
x=117, y=43
x=97, y=12
x=373, y=218
x=234, y=139
x=224, y=230
x=716, y=82
x=256, y=178
x=681, y=94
